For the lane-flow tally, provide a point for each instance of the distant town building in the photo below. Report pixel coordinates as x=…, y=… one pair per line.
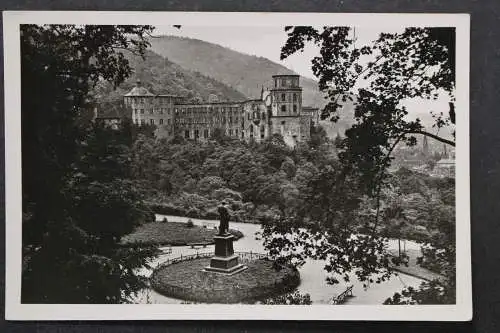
x=277, y=110
x=445, y=168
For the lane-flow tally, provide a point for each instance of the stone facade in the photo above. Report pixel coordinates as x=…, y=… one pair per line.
x=278, y=110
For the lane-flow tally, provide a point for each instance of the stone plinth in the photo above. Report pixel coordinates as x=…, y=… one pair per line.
x=224, y=260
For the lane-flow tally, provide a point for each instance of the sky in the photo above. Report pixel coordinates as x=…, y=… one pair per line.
x=263, y=41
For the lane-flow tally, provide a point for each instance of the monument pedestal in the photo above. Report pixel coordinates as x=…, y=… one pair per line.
x=225, y=261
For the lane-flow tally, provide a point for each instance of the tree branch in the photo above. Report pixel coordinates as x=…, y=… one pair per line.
x=434, y=136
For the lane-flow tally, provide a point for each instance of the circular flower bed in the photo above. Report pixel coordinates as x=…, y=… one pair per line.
x=188, y=281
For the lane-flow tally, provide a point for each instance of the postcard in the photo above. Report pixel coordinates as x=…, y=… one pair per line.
x=277, y=166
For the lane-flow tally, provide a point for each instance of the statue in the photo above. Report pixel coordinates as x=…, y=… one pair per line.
x=224, y=260
x=224, y=218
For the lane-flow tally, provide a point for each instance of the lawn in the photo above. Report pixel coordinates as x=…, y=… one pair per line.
x=173, y=233
x=187, y=280
x=413, y=268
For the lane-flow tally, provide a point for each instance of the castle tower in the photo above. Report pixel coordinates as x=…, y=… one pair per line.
x=286, y=107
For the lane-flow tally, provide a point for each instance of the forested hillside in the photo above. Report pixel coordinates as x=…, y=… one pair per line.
x=241, y=71
x=161, y=76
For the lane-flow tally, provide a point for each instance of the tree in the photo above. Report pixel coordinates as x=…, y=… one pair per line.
x=417, y=62
x=379, y=78
x=75, y=214
x=294, y=298
x=318, y=136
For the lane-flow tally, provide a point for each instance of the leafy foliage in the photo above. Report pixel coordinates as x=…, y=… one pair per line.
x=379, y=78
x=294, y=298
x=76, y=213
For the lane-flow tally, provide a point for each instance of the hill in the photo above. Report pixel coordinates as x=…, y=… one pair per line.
x=243, y=72
x=162, y=76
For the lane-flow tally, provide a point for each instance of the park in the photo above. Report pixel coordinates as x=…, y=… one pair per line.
x=355, y=205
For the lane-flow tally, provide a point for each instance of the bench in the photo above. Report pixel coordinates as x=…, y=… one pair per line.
x=339, y=299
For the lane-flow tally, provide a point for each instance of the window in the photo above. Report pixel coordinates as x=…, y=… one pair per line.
x=294, y=108
x=283, y=97
x=251, y=130
x=283, y=82
x=186, y=134
x=161, y=121
x=168, y=121
x=230, y=132
x=196, y=134
x=142, y=111
x=294, y=97
x=161, y=111
x=205, y=133
x=152, y=121
x=143, y=121
x=283, y=122
x=236, y=132
x=263, y=116
x=283, y=108
x=254, y=115
x=249, y=116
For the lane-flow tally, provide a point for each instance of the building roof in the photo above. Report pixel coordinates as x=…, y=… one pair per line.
x=279, y=75
x=138, y=91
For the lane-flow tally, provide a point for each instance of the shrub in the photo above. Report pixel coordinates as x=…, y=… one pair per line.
x=190, y=223
x=193, y=212
x=165, y=220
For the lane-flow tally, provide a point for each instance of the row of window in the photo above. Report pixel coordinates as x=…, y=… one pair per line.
x=153, y=121
x=255, y=115
x=206, y=133
x=195, y=134
x=228, y=109
x=206, y=120
x=152, y=111
x=294, y=82
x=283, y=108
x=291, y=97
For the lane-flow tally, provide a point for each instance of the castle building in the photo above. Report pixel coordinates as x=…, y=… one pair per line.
x=278, y=110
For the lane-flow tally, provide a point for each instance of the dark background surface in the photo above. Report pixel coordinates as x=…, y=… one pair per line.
x=484, y=164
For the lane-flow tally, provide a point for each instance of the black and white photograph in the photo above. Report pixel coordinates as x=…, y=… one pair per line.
x=237, y=166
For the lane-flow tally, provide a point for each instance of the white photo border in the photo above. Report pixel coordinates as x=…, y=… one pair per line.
x=15, y=310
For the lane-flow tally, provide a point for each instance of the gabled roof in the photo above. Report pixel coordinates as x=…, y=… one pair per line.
x=138, y=91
